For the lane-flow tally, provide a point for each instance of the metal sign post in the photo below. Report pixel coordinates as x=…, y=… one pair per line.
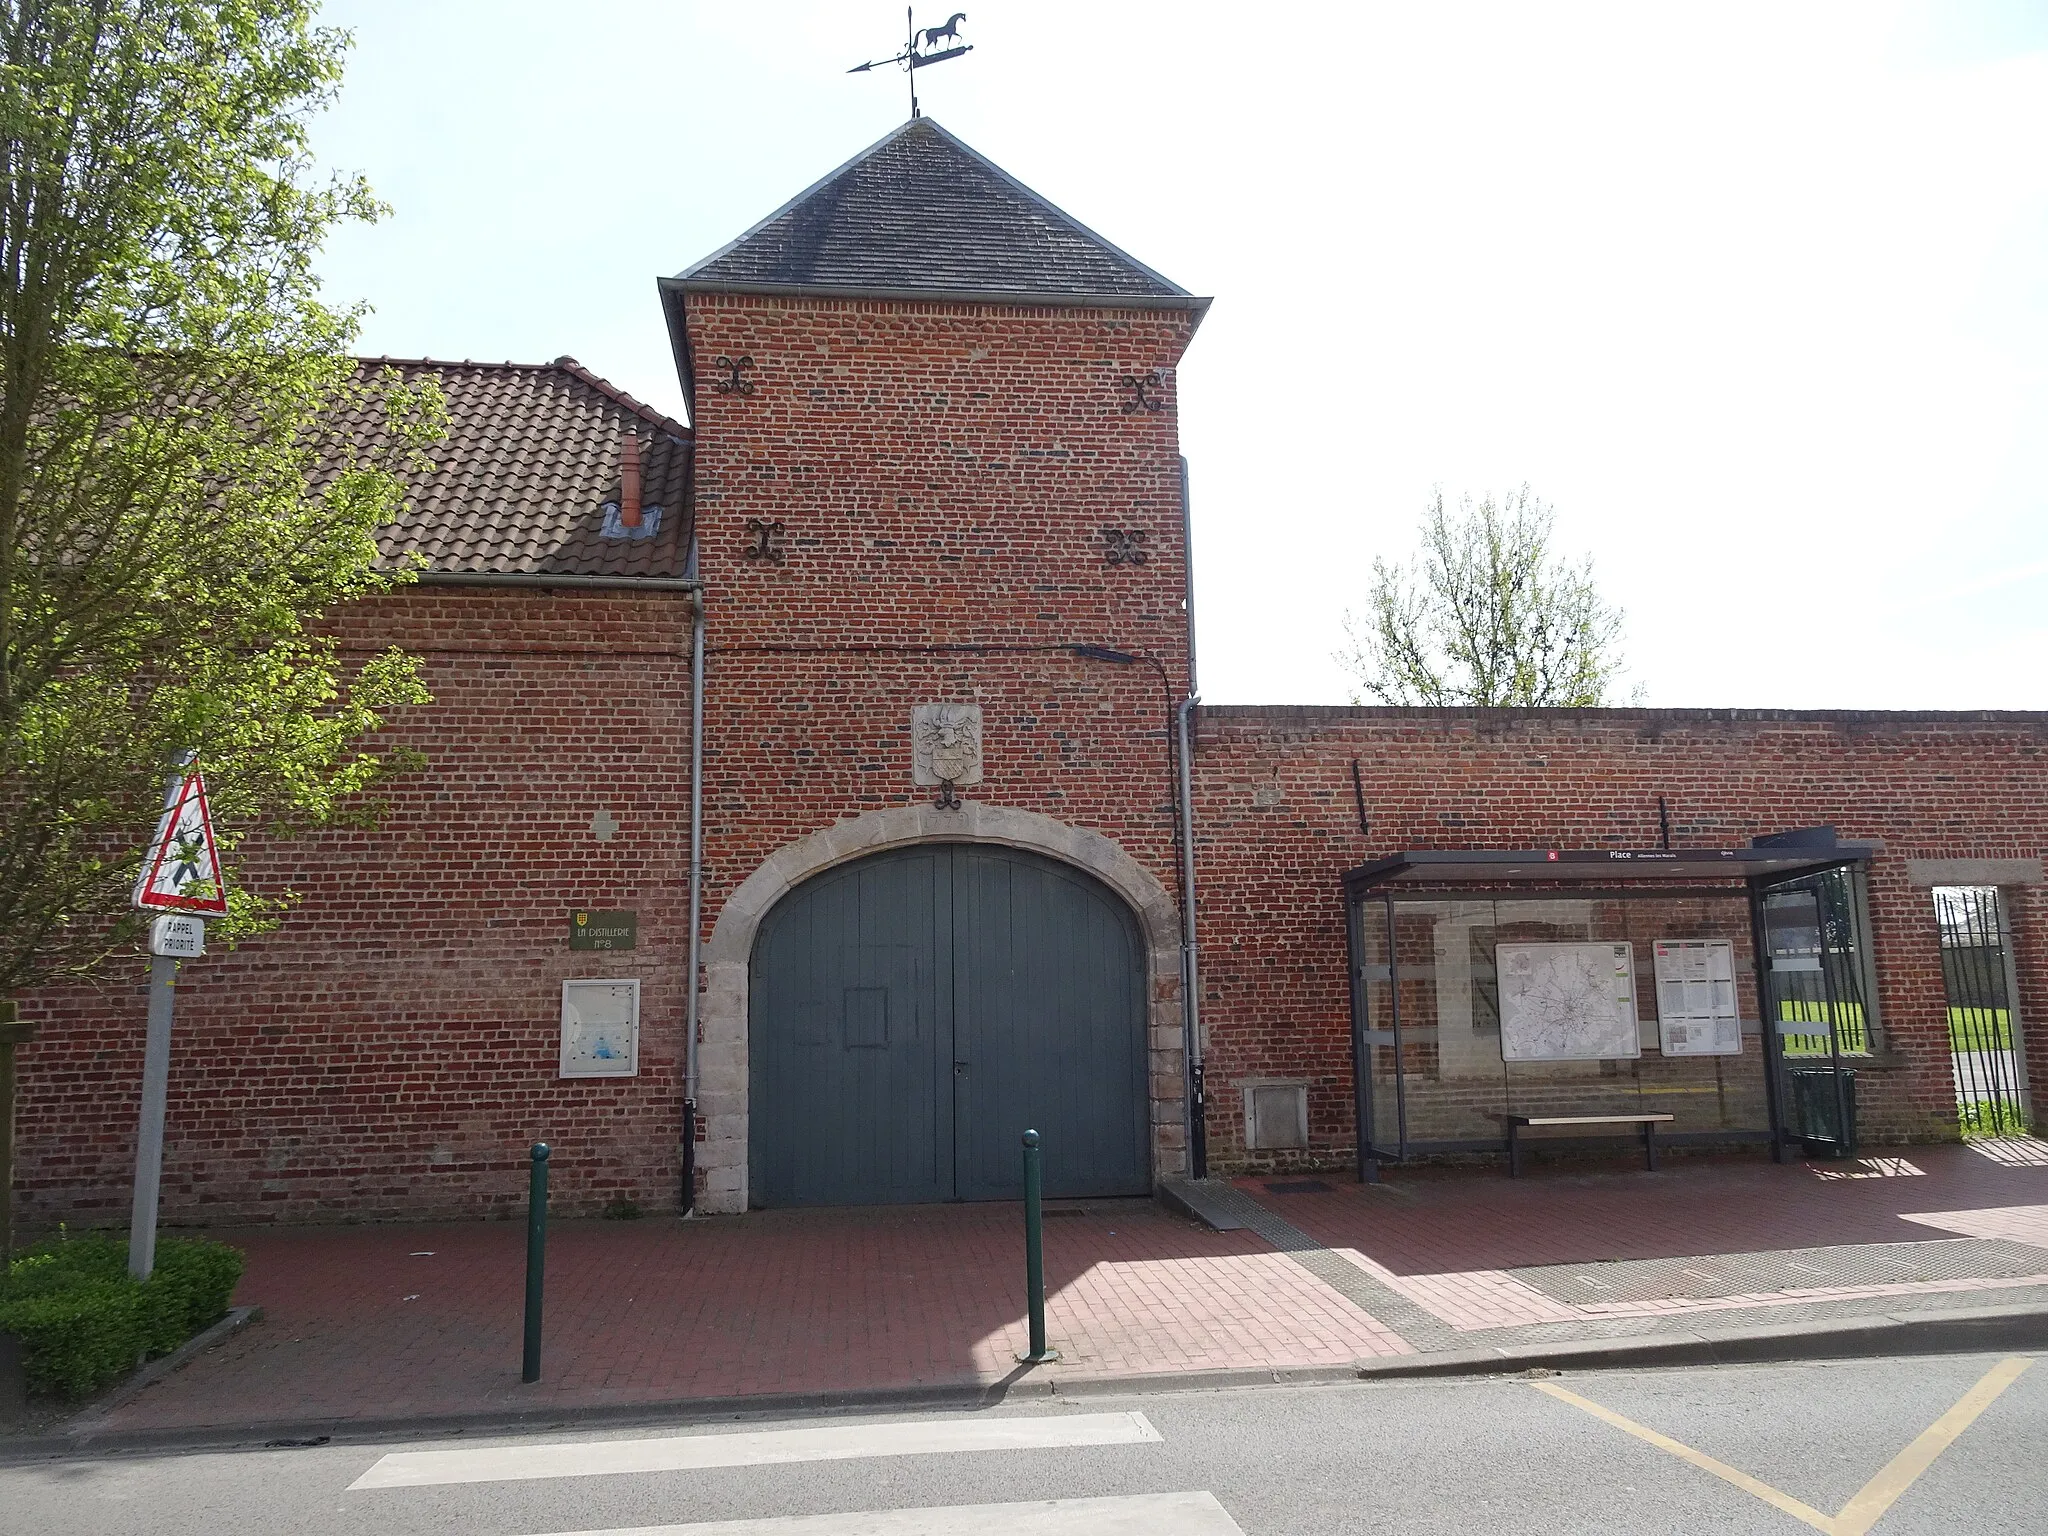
x=181, y=878
x=149, y=1136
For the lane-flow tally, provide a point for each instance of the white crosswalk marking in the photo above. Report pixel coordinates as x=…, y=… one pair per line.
x=1145, y=1514
x=678, y=1453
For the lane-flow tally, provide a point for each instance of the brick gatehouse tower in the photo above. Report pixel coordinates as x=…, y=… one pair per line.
x=941, y=533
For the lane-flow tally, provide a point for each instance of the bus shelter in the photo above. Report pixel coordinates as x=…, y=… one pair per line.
x=1487, y=983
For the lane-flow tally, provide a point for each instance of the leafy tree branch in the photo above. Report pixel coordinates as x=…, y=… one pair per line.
x=192, y=467
x=1484, y=616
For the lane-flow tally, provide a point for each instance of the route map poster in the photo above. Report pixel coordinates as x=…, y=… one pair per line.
x=1567, y=1002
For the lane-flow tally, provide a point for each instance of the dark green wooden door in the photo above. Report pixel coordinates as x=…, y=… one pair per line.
x=912, y=1014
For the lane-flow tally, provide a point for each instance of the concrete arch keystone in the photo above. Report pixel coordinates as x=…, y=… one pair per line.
x=722, y=1006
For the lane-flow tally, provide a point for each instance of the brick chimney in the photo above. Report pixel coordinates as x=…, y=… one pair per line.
x=629, y=480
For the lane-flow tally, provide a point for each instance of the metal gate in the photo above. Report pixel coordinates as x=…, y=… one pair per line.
x=1985, y=1049
x=912, y=1013
x=1817, y=1016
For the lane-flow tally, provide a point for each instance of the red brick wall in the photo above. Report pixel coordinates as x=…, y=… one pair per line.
x=392, y=1048
x=1276, y=826
x=943, y=474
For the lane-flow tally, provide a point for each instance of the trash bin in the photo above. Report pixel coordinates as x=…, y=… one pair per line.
x=1817, y=1115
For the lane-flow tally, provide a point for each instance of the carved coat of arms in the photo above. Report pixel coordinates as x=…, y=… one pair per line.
x=945, y=744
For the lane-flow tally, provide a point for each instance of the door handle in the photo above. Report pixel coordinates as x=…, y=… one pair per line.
x=959, y=1069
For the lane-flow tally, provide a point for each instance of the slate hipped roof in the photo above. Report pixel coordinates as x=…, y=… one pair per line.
x=921, y=215
x=519, y=485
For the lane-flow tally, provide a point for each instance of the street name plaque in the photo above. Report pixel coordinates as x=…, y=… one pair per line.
x=604, y=930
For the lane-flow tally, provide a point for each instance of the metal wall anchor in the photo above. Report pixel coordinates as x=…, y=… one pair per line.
x=735, y=385
x=1141, y=386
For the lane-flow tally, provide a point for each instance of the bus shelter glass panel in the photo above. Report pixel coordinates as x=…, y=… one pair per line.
x=1821, y=1003
x=1490, y=1004
x=1376, y=1031
x=1816, y=929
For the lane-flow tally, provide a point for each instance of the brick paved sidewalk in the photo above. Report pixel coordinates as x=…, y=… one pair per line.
x=402, y=1321
x=1453, y=1259
x=373, y=1323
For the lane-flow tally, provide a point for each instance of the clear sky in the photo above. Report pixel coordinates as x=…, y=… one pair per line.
x=1756, y=295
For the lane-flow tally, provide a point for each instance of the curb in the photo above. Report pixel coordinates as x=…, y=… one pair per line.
x=125, y=1390
x=237, y=1319
x=280, y=1434
x=1899, y=1333
x=1895, y=1333
x=82, y=1438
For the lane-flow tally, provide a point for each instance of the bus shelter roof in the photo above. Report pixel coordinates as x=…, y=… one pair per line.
x=1598, y=866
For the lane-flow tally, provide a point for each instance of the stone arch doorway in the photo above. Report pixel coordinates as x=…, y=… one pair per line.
x=725, y=1075
x=910, y=1013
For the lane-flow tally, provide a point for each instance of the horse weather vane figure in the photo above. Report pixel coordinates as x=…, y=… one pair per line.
x=934, y=45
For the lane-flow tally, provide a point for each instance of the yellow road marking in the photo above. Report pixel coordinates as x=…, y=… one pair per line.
x=1878, y=1495
x=1874, y=1498
x=1700, y=1459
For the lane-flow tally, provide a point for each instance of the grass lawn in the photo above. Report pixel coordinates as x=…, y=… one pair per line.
x=1849, y=1030
x=1980, y=1029
x=1969, y=1029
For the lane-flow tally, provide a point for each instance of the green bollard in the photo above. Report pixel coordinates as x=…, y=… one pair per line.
x=1034, y=1253
x=536, y=1258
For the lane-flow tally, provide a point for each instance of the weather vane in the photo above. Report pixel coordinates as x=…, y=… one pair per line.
x=918, y=50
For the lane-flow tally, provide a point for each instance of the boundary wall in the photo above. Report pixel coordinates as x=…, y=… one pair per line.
x=1276, y=825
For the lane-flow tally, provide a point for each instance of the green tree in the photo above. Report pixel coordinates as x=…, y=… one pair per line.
x=1484, y=616
x=191, y=471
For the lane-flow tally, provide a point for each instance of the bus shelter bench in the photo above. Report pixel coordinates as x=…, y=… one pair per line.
x=1515, y=1123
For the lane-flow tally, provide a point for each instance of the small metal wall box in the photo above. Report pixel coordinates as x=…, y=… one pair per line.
x=601, y=1027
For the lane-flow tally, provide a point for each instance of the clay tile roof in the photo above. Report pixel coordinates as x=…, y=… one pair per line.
x=519, y=485
x=920, y=212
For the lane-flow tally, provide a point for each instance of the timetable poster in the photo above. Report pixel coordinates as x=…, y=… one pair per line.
x=1696, y=1012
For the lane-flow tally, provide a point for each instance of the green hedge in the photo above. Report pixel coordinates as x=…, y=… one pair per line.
x=82, y=1321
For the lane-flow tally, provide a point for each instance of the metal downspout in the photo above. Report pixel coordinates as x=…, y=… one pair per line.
x=1190, y=951
x=689, y=1199
x=1190, y=959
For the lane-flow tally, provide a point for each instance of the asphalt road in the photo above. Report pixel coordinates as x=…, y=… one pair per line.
x=1571, y=1454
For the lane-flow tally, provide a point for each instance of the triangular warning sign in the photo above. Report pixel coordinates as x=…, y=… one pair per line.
x=183, y=857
